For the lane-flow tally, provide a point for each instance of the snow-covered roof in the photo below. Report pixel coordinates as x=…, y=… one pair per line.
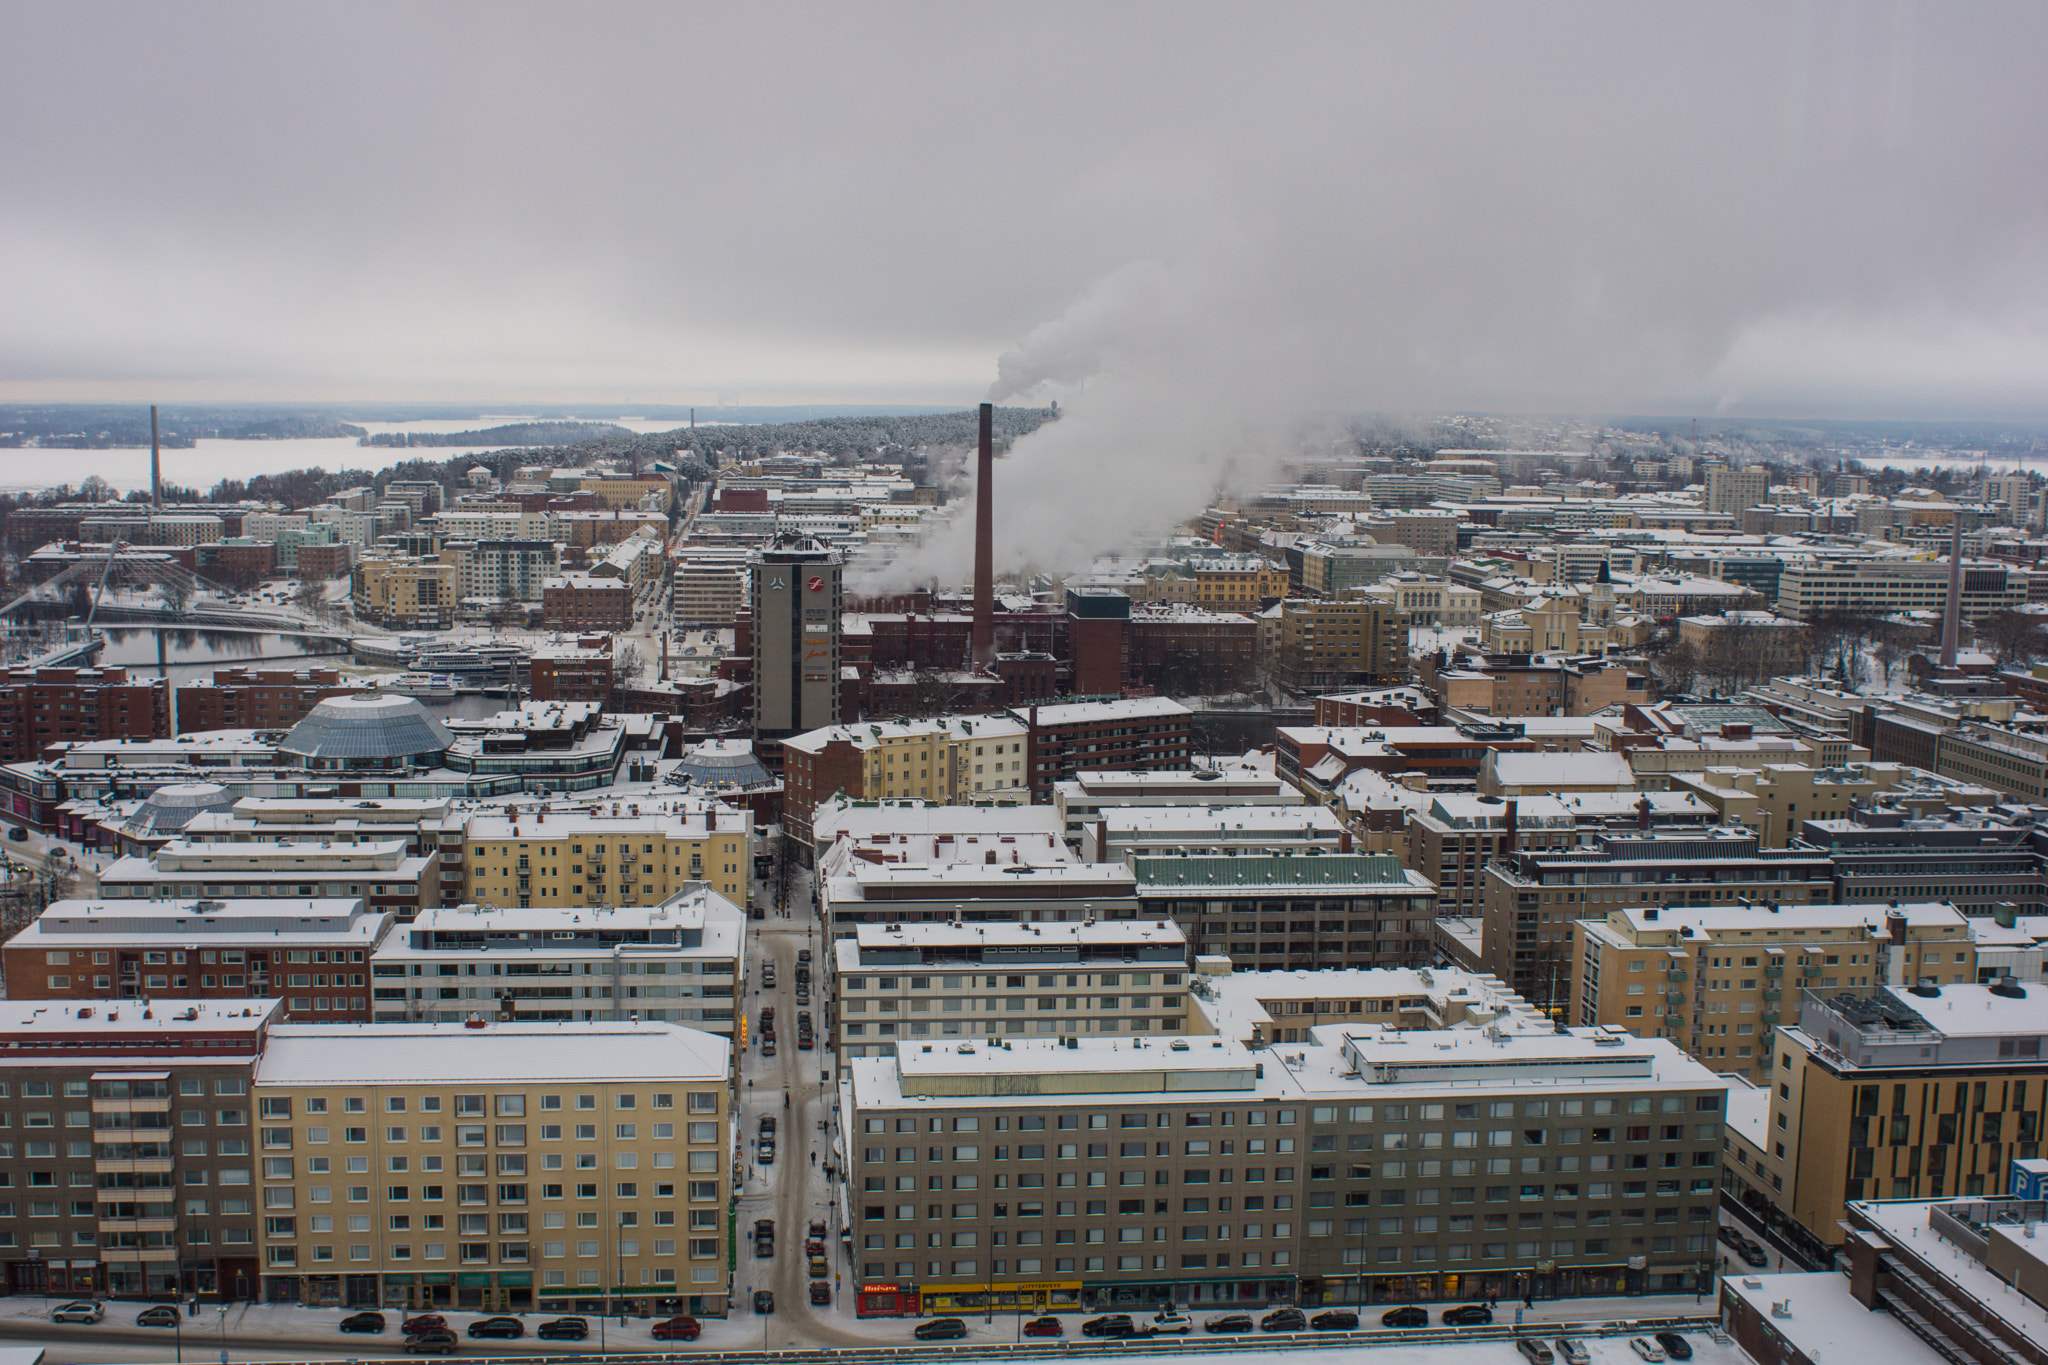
x=448, y=1055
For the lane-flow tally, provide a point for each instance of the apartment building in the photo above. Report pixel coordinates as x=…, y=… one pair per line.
x=380, y=871
x=1142, y=1173
x=1779, y=800
x=407, y=593
x=1087, y=795
x=1732, y=490
x=135, y=1172
x=1896, y=1093
x=1979, y=862
x=256, y=698
x=710, y=585
x=2000, y=756
x=1153, y=733
x=674, y=963
x=1532, y=899
x=1452, y=841
x=458, y=1145
x=313, y=955
x=1199, y=831
x=508, y=570
x=1292, y=912
x=577, y=601
x=587, y=857
x=908, y=862
x=902, y=984
x=1713, y=978
x=1262, y=1009
x=949, y=759
x=1235, y=582
x=1323, y=646
x=44, y=706
x=426, y=825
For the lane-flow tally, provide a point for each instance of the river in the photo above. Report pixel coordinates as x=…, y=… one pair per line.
x=188, y=655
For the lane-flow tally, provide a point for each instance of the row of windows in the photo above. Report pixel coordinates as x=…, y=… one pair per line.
x=504, y=1106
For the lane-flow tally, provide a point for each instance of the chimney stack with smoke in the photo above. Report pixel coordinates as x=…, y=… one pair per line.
x=1952, y=617
x=984, y=548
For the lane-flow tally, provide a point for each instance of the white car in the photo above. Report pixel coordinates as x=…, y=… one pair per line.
x=1170, y=1321
x=83, y=1311
x=1573, y=1351
x=1646, y=1348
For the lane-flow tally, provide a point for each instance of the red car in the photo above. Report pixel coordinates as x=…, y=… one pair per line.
x=678, y=1329
x=1044, y=1327
x=821, y=1292
x=426, y=1322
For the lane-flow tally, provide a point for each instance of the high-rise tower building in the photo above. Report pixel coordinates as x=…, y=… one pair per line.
x=796, y=604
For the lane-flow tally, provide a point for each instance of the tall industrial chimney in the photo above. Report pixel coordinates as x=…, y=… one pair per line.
x=1952, y=618
x=984, y=542
x=156, y=482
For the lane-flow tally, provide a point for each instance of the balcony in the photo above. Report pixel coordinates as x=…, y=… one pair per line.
x=1677, y=974
x=1770, y=1018
x=1773, y=993
x=138, y=1225
x=1774, y=971
x=116, y=1165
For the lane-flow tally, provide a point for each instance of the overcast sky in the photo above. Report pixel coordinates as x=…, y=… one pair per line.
x=1783, y=208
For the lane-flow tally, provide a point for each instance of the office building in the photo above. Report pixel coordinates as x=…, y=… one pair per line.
x=1069, y=738
x=257, y=698
x=1082, y=798
x=1304, y=911
x=795, y=591
x=380, y=872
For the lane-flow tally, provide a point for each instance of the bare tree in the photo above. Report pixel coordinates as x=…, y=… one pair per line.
x=2012, y=637
x=933, y=693
x=1676, y=667
x=1890, y=642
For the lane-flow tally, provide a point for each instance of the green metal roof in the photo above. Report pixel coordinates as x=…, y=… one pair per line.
x=1327, y=869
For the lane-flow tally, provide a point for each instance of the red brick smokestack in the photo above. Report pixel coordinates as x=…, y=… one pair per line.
x=1952, y=612
x=1510, y=833
x=984, y=543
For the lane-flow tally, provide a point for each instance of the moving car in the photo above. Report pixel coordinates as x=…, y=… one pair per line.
x=1646, y=1348
x=1336, y=1320
x=1753, y=1255
x=1232, y=1322
x=1675, y=1346
x=1170, y=1320
x=764, y=1151
x=1574, y=1351
x=163, y=1315
x=682, y=1328
x=363, y=1322
x=764, y=1301
x=563, y=1329
x=1410, y=1316
x=821, y=1292
x=767, y=1125
x=1284, y=1320
x=941, y=1329
x=818, y=1228
x=425, y=1322
x=497, y=1327
x=1044, y=1327
x=1534, y=1351
x=434, y=1341
x=82, y=1311
x=1109, y=1325
x=804, y=1040
x=1468, y=1315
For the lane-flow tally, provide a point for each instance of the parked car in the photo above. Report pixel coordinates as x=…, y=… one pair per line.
x=1284, y=1320
x=941, y=1329
x=1646, y=1348
x=683, y=1328
x=821, y=1292
x=1534, y=1351
x=1411, y=1316
x=767, y=1125
x=563, y=1329
x=1171, y=1320
x=1574, y=1351
x=1336, y=1320
x=363, y=1322
x=1230, y=1322
x=162, y=1315
x=1468, y=1315
x=434, y=1341
x=804, y=1041
x=767, y=1047
x=1675, y=1346
x=18, y=833
x=764, y=1301
x=497, y=1327
x=818, y=1228
x=1728, y=1236
x=1044, y=1327
x=425, y=1322
x=1109, y=1325
x=82, y=1311
x=819, y=1270
x=803, y=955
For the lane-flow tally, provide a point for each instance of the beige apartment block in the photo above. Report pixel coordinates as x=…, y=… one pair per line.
x=641, y=856
x=1715, y=979
x=1265, y=1008
x=519, y=1167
